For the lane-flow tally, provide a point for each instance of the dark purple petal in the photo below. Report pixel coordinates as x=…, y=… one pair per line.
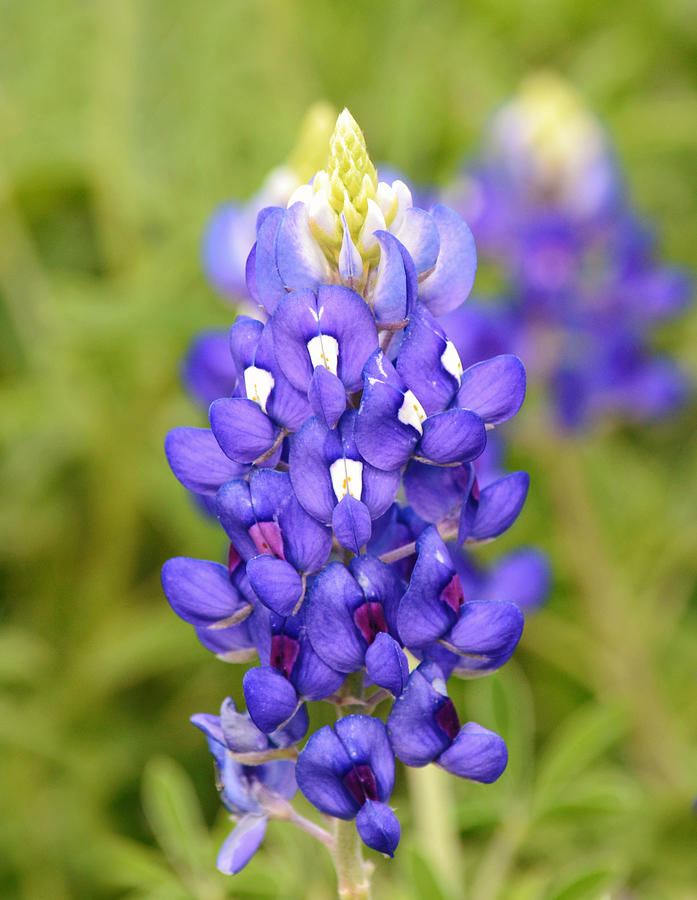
x=331, y=603
x=241, y=844
x=415, y=734
x=495, y=388
x=200, y=591
x=428, y=365
x=294, y=324
x=208, y=369
x=195, y=457
x=312, y=450
x=423, y=617
x=242, y=428
x=345, y=314
x=487, y=632
x=327, y=396
x=312, y=677
x=307, y=542
x=300, y=261
x=476, y=754
x=378, y=827
x=453, y=436
x=379, y=584
x=522, y=577
x=449, y=284
x=320, y=771
x=276, y=583
x=271, y=699
x=267, y=285
x=367, y=743
x=386, y=664
x=499, y=506
x=419, y=234
x=435, y=491
x=236, y=514
x=351, y=523
x=390, y=296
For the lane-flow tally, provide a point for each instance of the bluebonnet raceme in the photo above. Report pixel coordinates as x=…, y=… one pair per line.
x=346, y=398
x=583, y=285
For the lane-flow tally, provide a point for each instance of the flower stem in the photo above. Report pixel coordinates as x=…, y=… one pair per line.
x=353, y=874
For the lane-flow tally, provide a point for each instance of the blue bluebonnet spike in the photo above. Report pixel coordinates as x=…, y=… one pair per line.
x=424, y=727
x=348, y=771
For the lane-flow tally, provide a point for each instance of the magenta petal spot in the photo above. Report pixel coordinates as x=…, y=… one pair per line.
x=284, y=652
x=361, y=784
x=370, y=620
x=267, y=538
x=448, y=719
x=233, y=559
x=452, y=594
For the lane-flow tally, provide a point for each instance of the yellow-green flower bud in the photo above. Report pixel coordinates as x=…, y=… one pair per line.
x=352, y=176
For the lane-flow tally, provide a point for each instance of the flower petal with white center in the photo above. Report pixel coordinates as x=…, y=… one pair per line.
x=324, y=351
x=347, y=477
x=258, y=384
x=411, y=412
x=450, y=360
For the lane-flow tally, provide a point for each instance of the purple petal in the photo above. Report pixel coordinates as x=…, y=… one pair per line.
x=208, y=369
x=351, y=523
x=367, y=743
x=195, y=457
x=487, y=632
x=435, y=492
x=226, y=242
x=415, y=734
x=231, y=644
x=476, y=754
x=422, y=617
x=451, y=281
x=236, y=514
x=276, y=583
x=390, y=297
x=495, y=388
x=307, y=542
x=312, y=450
x=327, y=396
x=200, y=592
x=271, y=699
x=242, y=428
x=420, y=362
x=378, y=827
x=522, y=577
x=386, y=664
x=320, y=770
x=243, y=340
x=241, y=844
x=240, y=733
x=300, y=260
x=453, y=436
x=313, y=678
x=419, y=234
x=331, y=603
x=267, y=287
x=499, y=506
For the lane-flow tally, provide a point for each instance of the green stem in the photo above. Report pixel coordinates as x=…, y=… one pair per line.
x=433, y=804
x=353, y=873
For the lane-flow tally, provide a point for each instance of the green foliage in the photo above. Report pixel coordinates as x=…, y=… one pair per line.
x=122, y=125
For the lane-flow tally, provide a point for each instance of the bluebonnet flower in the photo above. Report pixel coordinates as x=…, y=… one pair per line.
x=583, y=285
x=349, y=392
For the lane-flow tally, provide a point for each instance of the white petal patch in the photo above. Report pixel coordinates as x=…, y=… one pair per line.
x=411, y=412
x=450, y=360
x=324, y=351
x=258, y=384
x=347, y=477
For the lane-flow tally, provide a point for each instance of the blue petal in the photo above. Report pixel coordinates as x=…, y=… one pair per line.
x=276, y=583
x=312, y=677
x=351, y=523
x=434, y=492
x=378, y=827
x=499, y=506
x=453, y=436
x=240, y=733
x=419, y=362
x=300, y=261
x=320, y=770
x=331, y=602
x=200, y=591
x=522, y=577
x=312, y=450
x=386, y=664
x=486, y=632
x=267, y=287
x=236, y=514
x=495, y=388
x=226, y=242
x=307, y=542
x=451, y=281
x=243, y=340
x=419, y=234
x=327, y=396
x=390, y=297
x=271, y=699
x=367, y=743
x=242, y=428
x=476, y=754
x=422, y=617
x=415, y=735
x=195, y=457
x=231, y=644
x=208, y=369
x=241, y=844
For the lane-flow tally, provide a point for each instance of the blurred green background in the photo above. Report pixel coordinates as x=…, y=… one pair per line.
x=122, y=124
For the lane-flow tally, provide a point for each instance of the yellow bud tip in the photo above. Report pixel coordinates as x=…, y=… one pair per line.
x=310, y=151
x=352, y=176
